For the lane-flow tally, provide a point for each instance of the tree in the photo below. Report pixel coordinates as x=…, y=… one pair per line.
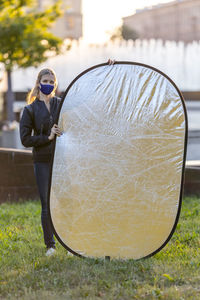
x=124, y=32
x=24, y=38
x=128, y=33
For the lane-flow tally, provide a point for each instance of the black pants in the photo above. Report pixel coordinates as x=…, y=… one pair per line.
x=42, y=172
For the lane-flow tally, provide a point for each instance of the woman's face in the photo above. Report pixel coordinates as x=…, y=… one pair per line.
x=48, y=79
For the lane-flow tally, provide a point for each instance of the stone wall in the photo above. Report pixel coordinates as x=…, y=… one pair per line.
x=17, y=180
x=191, y=95
x=192, y=179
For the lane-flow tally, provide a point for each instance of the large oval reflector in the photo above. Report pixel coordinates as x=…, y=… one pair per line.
x=117, y=173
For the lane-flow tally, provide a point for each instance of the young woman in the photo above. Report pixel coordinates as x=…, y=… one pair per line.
x=39, y=116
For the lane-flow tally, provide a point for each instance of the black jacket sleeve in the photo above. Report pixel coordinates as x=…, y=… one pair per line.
x=26, y=127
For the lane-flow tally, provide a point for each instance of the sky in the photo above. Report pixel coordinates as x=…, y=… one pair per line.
x=103, y=16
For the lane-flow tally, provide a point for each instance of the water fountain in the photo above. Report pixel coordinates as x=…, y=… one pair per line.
x=180, y=62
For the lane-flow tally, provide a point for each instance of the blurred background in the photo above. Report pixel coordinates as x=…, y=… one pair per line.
x=72, y=35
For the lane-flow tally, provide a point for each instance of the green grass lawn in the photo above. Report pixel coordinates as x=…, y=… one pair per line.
x=26, y=273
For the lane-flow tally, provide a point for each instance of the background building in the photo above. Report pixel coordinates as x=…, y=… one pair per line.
x=178, y=21
x=70, y=24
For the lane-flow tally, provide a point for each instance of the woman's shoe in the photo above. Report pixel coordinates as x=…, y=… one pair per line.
x=50, y=251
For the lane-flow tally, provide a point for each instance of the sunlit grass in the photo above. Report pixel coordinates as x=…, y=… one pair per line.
x=26, y=273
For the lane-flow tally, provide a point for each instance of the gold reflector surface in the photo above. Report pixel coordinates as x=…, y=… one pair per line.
x=117, y=169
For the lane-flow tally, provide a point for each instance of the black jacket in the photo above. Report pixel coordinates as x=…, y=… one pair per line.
x=36, y=117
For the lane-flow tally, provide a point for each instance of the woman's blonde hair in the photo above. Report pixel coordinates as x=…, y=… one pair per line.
x=34, y=93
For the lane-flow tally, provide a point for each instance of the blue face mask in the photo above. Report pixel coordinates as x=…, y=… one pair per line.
x=46, y=88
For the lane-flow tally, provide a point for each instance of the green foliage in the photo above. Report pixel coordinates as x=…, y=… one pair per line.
x=26, y=273
x=128, y=33
x=124, y=32
x=24, y=37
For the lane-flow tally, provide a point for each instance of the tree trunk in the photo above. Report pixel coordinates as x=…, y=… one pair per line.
x=10, y=98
